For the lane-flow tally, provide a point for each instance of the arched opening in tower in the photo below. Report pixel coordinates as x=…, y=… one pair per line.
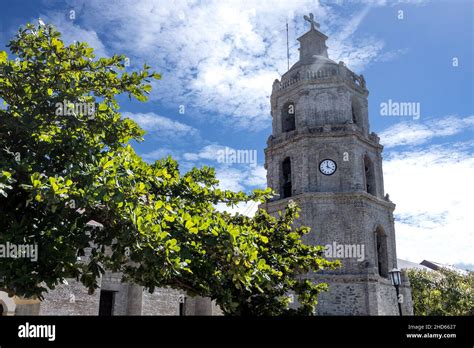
x=286, y=187
x=288, y=117
x=356, y=111
x=381, y=252
x=369, y=176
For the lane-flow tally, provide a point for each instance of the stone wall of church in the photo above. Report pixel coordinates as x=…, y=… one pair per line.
x=306, y=151
x=204, y=306
x=387, y=291
x=356, y=288
x=351, y=295
x=387, y=299
x=326, y=214
x=344, y=298
x=70, y=298
x=162, y=302
x=129, y=299
x=316, y=105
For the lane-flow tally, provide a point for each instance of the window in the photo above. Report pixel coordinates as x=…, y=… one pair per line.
x=286, y=188
x=288, y=117
x=381, y=252
x=356, y=111
x=1, y=310
x=106, y=304
x=369, y=176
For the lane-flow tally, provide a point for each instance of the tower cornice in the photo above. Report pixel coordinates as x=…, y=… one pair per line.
x=304, y=76
x=357, y=198
x=327, y=131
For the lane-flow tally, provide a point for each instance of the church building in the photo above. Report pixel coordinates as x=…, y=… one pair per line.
x=322, y=155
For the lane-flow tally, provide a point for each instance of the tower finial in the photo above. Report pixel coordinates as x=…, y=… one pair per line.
x=311, y=20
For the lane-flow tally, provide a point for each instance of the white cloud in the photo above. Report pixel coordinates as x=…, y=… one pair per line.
x=160, y=153
x=391, y=55
x=383, y=2
x=241, y=177
x=230, y=178
x=433, y=192
x=221, y=57
x=257, y=177
x=224, y=155
x=208, y=152
x=235, y=177
x=412, y=133
x=162, y=126
x=248, y=209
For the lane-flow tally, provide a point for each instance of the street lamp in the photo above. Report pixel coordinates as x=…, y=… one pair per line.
x=396, y=281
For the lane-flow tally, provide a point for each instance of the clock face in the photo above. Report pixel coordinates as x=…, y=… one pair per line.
x=327, y=167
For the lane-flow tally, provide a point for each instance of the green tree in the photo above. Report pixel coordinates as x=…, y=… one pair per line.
x=66, y=161
x=443, y=292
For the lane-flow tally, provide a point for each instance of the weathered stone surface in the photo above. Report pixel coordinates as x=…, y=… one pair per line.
x=71, y=298
x=348, y=207
x=129, y=299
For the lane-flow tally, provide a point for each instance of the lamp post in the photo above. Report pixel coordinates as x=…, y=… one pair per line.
x=396, y=281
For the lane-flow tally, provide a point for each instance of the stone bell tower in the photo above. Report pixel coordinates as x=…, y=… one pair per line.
x=322, y=155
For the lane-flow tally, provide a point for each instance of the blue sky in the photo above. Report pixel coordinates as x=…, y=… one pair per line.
x=219, y=59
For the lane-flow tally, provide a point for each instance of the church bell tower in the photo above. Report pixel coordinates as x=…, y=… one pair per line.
x=322, y=155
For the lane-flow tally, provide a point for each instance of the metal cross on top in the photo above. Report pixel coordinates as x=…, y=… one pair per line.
x=311, y=20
